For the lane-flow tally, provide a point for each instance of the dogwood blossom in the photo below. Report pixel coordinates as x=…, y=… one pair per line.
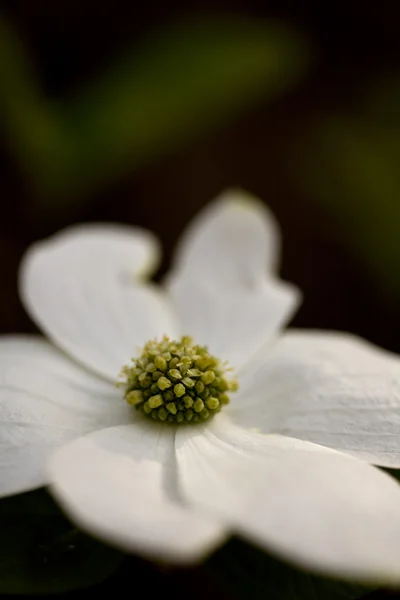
x=285, y=463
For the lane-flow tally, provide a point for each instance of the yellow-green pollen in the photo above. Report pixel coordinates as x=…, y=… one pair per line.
x=177, y=382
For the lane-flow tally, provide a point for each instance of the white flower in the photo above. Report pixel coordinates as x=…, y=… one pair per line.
x=177, y=492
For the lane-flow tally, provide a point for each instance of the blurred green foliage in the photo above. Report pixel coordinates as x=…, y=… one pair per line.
x=349, y=165
x=250, y=574
x=176, y=83
x=42, y=553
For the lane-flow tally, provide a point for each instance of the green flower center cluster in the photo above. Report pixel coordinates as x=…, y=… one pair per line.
x=177, y=382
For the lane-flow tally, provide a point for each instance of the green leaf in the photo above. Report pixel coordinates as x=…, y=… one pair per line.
x=42, y=553
x=253, y=575
x=175, y=84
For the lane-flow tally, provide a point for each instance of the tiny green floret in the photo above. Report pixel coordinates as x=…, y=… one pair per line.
x=177, y=382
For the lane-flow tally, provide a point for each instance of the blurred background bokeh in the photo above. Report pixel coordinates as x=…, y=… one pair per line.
x=143, y=112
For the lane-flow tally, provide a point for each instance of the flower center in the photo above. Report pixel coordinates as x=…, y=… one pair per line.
x=177, y=381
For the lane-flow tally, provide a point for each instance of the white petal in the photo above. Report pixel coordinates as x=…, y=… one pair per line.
x=79, y=287
x=107, y=249
x=233, y=324
x=318, y=508
x=332, y=389
x=119, y=484
x=220, y=283
x=45, y=400
x=233, y=241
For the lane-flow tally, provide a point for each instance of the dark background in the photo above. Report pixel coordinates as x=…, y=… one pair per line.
x=322, y=152
x=352, y=45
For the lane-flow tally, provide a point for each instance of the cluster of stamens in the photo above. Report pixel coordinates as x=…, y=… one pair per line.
x=177, y=382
